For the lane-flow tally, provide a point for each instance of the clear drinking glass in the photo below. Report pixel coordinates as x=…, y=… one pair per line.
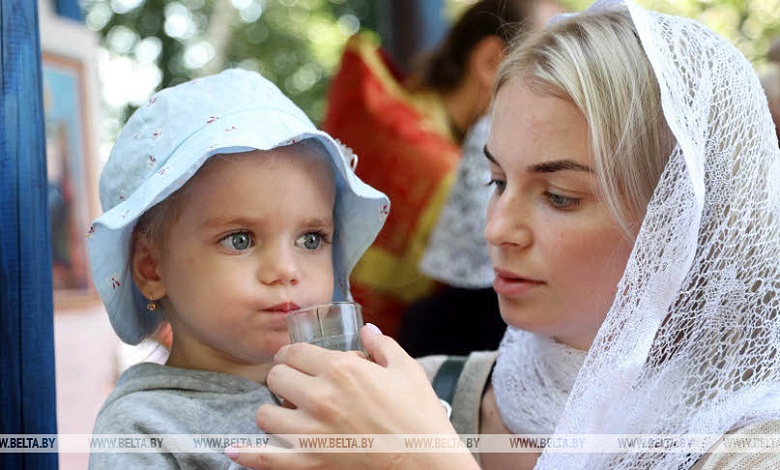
x=333, y=326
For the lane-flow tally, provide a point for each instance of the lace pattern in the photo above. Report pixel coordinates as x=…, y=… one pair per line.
x=457, y=252
x=691, y=342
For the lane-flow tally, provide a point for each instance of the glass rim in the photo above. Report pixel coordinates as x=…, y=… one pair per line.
x=327, y=304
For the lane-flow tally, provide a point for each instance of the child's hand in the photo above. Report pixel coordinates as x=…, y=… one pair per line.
x=342, y=393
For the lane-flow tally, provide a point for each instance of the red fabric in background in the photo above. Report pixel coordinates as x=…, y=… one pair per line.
x=401, y=151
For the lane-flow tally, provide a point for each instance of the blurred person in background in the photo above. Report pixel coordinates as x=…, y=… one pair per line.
x=408, y=133
x=463, y=315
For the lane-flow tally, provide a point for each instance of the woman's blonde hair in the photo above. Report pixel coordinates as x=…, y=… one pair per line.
x=595, y=60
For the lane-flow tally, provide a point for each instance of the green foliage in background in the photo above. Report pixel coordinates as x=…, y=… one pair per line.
x=296, y=44
x=749, y=24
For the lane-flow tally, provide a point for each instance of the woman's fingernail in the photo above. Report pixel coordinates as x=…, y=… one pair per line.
x=231, y=452
x=373, y=329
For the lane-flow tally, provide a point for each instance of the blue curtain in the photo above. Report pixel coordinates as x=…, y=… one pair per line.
x=68, y=9
x=27, y=390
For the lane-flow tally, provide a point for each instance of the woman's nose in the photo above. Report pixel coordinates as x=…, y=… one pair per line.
x=279, y=266
x=508, y=223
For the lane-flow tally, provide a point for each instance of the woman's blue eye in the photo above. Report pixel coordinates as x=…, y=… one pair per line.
x=562, y=202
x=238, y=241
x=500, y=185
x=309, y=241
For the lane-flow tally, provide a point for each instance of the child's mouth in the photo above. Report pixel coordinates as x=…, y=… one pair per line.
x=284, y=307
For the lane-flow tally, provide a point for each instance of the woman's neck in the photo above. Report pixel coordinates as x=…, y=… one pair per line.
x=464, y=105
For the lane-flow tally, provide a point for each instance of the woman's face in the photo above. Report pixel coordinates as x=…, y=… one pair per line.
x=557, y=252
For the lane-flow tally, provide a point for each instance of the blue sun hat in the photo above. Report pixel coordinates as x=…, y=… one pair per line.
x=169, y=138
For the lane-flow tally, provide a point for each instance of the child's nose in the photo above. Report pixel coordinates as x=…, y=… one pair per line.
x=279, y=267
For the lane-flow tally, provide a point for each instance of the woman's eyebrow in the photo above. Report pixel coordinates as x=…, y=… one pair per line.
x=546, y=167
x=489, y=155
x=559, y=165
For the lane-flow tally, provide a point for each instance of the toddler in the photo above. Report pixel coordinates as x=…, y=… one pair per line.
x=224, y=209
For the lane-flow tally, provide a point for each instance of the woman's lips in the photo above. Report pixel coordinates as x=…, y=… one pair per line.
x=511, y=285
x=284, y=307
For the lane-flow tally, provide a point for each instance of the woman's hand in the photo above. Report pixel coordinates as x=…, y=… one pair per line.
x=342, y=393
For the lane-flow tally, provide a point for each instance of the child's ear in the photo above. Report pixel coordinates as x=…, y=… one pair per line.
x=146, y=267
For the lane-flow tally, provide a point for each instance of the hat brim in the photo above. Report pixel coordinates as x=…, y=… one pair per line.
x=359, y=214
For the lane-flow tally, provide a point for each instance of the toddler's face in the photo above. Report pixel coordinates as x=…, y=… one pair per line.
x=252, y=241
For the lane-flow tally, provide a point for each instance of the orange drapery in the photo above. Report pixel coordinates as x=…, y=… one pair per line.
x=406, y=150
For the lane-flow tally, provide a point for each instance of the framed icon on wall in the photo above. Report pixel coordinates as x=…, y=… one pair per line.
x=70, y=97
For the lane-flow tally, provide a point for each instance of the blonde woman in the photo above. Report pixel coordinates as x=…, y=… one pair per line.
x=634, y=231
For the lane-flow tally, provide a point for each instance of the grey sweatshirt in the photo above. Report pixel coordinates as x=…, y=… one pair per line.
x=155, y=399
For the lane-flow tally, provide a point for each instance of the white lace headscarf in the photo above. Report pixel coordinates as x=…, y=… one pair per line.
x=690, y=344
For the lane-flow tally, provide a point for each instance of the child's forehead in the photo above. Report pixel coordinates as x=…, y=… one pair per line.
x=248, y=181
x=304, y=161
x=280, y=157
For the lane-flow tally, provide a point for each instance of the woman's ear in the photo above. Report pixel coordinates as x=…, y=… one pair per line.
x=485, y=59
x=145, y=261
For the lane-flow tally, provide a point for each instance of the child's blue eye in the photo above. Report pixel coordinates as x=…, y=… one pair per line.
x=309, y=241
x=238, y=241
